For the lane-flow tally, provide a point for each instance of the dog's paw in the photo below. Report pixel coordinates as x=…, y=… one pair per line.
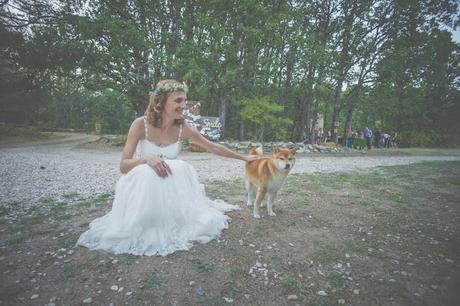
x=271, y=214
x=256, y=216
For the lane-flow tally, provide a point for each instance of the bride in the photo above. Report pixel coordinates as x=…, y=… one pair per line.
x=159, y=206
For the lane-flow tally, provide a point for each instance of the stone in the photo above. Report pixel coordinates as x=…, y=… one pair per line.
x=87, y=301
x=200, y=291
x=228, y=300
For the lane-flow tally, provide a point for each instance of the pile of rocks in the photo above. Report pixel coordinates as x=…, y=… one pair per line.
x=242, y=146
x=299, y=146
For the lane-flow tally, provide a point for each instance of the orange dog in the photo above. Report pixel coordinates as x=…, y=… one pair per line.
x=266, y=175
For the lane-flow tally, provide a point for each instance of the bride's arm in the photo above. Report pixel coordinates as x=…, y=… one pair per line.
x=194, y=135
x=135, y=133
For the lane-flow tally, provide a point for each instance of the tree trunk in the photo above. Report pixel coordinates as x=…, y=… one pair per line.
x=241, y=130
x=222, y=111
x=347, y=122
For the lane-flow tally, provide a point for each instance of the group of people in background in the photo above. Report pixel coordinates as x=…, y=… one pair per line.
x=378, y=139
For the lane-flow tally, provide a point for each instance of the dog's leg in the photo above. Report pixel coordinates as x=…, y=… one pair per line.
x=252, y=190
x=271, y=199
x=260, y=196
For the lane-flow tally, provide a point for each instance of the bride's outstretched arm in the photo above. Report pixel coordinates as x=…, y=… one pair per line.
x=192, y=133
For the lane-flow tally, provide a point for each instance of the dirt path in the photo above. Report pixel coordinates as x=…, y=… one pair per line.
x=53, y=168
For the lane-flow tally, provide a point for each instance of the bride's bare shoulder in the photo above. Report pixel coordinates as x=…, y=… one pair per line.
x=137, y=127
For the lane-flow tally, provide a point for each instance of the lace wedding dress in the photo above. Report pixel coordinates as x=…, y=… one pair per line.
x=153, y=215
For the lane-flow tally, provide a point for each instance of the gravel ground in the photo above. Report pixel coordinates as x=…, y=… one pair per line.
x=30, y=174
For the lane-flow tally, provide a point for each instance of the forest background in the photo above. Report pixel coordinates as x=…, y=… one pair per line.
x=268, y=69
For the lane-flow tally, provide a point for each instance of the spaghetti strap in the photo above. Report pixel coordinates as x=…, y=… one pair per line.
x=145, y=128
x=179, y=139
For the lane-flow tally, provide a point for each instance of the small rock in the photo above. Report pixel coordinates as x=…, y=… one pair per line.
x=322, y=293
x=292, y=297
x=87, y=301
x=33, y=297
x=341, y=301
x=191, y=283
x=200, y=291
x=228, y=300
x=128, y=293
x=114, y=288
x=356, y=291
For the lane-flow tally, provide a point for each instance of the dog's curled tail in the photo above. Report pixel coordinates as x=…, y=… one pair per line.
x=257, y=151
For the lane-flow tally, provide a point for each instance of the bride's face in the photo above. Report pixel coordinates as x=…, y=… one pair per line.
x=175, y=105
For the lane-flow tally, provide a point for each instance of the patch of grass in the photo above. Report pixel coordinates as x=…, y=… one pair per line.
x=4, y=211
x=15, y=240
x=84, y=225
x=146, y=295
x=395, y=289
x=32, y=220
x=84, y=204
x=293, y=286
x=153, y=281
x=104, y=265
x=71, y=195
x=230, y=290
x=47, y=200
x=336, y=280
x=201, y=266
x=214, y=300
x=58, y=207
x=235, y=271
x=102, y=198
x=65, y=216
x=68, y=241
x=68, y=272
x=324, y=301
x=127, y=259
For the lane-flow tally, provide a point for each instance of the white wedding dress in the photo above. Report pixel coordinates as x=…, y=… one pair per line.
x=153, y=215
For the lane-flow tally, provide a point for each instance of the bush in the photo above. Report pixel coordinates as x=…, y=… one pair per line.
x=359, y=143
x=426, y=139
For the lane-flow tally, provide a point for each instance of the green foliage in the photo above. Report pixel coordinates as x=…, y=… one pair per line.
x=265, y=115
x=69, y=66
x=427, y=139
x=73, y=108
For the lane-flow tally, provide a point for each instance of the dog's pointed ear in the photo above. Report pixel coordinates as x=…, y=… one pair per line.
x=293, y=151
x=275, y=149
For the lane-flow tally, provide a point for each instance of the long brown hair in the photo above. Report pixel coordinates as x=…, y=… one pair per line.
x=157, y=105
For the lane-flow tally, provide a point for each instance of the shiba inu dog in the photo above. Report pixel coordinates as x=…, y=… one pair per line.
x=266, y=175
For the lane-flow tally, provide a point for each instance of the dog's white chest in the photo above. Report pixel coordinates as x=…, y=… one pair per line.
x=275, y=184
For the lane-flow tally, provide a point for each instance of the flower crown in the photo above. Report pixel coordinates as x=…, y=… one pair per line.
x=170, y=87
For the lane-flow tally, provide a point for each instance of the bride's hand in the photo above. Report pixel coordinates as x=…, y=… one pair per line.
x=158, y=165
